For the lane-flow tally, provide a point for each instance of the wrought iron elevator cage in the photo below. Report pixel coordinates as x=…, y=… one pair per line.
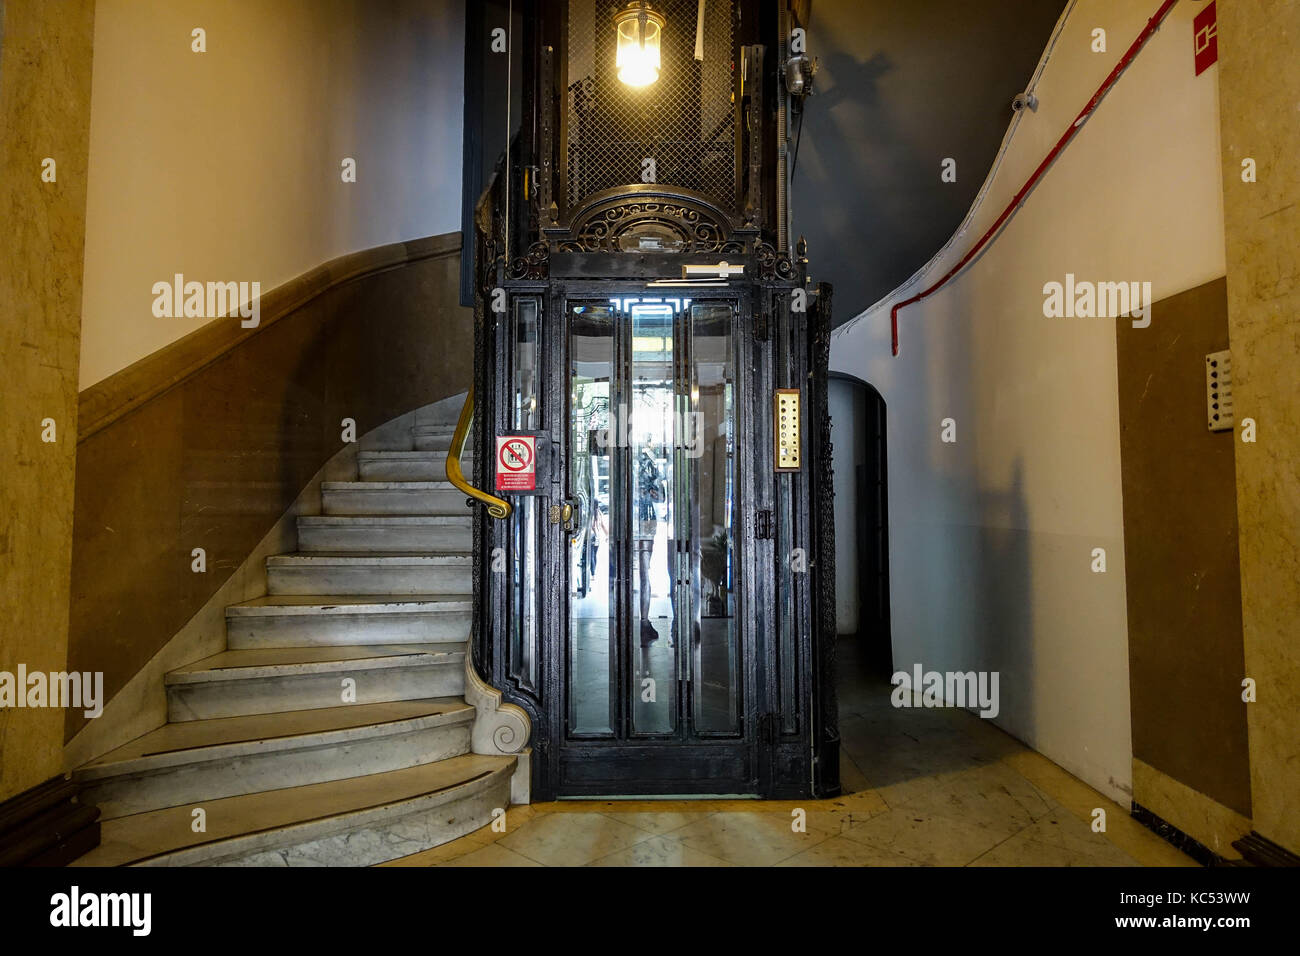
x=681, y=130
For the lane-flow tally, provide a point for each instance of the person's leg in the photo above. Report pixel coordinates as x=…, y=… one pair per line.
x=645, y=552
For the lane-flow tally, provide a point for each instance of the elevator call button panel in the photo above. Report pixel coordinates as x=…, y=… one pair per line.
x=786, y=431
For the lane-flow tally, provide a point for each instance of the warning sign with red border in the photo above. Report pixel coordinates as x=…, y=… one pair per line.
x=516, y=463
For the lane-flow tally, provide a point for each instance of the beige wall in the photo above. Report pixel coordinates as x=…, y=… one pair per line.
x=225, y=165
x=1257, y=41
x=991, y=537
x=45, y=57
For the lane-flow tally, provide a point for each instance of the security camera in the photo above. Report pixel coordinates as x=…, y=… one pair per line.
x=1024, y=101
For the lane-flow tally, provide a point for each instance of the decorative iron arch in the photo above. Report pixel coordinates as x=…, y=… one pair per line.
x=690, y=221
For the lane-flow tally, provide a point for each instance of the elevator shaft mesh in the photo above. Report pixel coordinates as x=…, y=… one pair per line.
x=685, y=122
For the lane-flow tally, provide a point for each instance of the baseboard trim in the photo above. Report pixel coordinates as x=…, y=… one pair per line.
x=105, y=402
x=47, y=826
x=1261, y=851
x=1193, y=847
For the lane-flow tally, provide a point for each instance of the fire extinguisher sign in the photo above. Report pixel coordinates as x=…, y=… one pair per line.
x=516, y=463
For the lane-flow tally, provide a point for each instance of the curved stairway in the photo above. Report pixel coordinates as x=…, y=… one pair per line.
x=335, y=728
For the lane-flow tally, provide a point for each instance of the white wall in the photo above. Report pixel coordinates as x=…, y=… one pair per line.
x=225, y=165
x=991, y=537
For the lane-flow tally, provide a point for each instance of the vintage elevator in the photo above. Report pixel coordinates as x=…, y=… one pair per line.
x=661, y=600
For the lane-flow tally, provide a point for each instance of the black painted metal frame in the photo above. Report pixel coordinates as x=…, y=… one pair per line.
x=788, y=742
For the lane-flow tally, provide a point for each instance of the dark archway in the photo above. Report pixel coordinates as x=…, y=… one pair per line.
x=862, y=519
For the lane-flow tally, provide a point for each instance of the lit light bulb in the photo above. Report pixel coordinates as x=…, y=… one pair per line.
x=638, y=30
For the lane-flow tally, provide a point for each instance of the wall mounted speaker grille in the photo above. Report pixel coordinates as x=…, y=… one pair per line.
x=685, y=122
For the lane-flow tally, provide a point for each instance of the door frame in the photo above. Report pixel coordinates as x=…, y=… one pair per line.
x=790, y=740
x=704, y=764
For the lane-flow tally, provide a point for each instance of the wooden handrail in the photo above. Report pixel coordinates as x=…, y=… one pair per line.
x=496, y=507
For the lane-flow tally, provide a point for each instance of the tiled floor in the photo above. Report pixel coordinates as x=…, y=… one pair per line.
x=923, y=787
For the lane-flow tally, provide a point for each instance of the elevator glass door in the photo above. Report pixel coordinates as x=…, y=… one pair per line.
x=656, y=653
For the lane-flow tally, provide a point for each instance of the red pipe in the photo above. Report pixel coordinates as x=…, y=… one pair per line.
x=1152, y=25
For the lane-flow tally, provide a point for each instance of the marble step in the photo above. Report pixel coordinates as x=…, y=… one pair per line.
x=392, y=498
x=326, y=572
x=202, y=760
x=355, y=821
x=437, y=437
x=377, y=533
x=274, y=680
x=408, y=465
x=289, y=620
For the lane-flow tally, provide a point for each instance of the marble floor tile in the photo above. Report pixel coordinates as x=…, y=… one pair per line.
x=494, y=854
x=1058, y=839
x=843, y=851
x=656, y=823
x=923, y=787
x=994, y=797
x=927, y=838
x=571, y=838
x=1081, y=800
x=659, y=851
x=754, y=839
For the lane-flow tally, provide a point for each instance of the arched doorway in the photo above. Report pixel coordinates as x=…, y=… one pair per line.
x=858, y=434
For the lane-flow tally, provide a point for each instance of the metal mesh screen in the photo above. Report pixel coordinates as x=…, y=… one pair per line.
x=685, y=121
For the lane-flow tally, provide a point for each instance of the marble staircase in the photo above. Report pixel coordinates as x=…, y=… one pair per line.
x=344, y=724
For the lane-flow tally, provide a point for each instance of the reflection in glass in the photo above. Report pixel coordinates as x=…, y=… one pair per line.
x=652, y=561
x=524, y=362
x=525, y=570
x=652, y=437
x=709, y=449
x=593, y=562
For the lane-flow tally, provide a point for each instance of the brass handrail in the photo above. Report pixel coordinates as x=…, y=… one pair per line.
x=496, y=507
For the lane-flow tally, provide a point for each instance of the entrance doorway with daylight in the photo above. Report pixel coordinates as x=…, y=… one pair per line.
x=655, y=650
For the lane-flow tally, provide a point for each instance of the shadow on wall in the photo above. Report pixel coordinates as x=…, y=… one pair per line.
x=902, y=87
x=961, y=599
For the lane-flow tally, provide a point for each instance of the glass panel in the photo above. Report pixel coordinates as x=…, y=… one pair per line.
x=525, y=365
x=525, y=415
x=523, y=613
x=593, y=557
x=652, y=437
x=709, y=446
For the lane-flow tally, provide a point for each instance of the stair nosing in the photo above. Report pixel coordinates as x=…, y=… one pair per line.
x=389, y=520
x=236, y=672
x=388, y=454
x=368, y=558
x=425, y=605
x=389, y=485
x=158, y=761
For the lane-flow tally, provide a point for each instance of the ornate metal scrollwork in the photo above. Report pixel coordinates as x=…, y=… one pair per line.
x=534, y=264
x=645, y=217
x=771, y=264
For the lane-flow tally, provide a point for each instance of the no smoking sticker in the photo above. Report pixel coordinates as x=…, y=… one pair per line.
x=516, y=463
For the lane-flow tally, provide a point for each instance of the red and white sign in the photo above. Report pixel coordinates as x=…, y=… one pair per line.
x=516, y=463
x=1206, y=30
